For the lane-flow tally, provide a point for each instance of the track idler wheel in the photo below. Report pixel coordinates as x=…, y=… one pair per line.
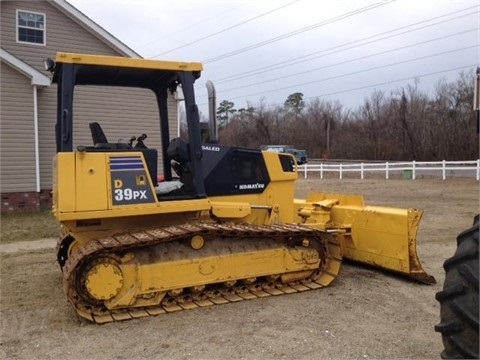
x=103, y=279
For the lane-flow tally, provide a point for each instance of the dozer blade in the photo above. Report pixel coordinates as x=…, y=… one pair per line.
x=378, y=236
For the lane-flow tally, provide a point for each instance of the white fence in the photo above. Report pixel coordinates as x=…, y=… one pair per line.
x=409, y=170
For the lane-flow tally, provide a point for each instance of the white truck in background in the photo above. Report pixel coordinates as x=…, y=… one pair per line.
x=300, y=155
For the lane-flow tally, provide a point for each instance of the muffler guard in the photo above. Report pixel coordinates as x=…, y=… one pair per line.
x=379, y=236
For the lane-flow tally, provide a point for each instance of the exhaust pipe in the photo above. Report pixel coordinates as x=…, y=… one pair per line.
x=212, y=112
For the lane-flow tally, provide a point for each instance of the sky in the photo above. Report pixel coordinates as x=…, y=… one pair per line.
x=261, y=51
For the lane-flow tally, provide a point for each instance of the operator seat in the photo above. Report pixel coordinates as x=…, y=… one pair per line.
x=98, y=136
x=178, y=154
x=100, y=140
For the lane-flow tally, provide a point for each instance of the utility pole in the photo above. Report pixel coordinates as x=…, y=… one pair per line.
x=476, y=98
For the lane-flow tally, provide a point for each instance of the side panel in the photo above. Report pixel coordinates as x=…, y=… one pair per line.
x=91, y=181
x=129, y=181
x=281, y=167
x=234, y=171
x=108, y=180
x=270, y=199
x=64, y=193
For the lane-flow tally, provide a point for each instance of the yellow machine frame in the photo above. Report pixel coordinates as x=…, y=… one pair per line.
x=126, y=246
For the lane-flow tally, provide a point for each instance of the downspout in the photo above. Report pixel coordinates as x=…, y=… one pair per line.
x=37, y=151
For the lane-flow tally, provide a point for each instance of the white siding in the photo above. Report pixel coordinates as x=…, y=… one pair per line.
x=119, y=116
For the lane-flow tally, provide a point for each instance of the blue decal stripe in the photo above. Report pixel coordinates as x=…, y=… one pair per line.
x=129, y=159
x=126, y=163
x=126, y=166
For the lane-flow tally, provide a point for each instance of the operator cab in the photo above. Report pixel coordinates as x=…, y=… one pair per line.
x=199, y=169
x=161, y=77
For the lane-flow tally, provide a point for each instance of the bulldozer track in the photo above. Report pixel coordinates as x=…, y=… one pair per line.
x=329, y=267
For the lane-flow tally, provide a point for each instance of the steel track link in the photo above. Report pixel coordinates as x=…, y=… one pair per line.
x=81, y=254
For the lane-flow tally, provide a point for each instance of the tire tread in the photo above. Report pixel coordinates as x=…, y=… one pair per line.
x=458, y=299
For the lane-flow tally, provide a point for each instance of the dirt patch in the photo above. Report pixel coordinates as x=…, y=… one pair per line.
x=363, y=314
x=28, y=245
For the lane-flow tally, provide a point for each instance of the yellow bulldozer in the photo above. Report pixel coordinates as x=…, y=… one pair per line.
x=223, y=225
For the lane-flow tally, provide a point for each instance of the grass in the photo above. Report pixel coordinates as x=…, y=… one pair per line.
x=25, y=226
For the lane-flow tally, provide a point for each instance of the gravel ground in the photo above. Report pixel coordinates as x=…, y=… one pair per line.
x=364, y=314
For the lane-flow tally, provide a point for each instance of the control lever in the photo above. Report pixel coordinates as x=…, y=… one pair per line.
x=140, y=144
x=132, y=139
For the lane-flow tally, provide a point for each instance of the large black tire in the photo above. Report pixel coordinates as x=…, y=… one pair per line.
x=459, y=299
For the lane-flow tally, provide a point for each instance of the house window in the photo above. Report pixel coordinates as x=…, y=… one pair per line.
x=30, y=27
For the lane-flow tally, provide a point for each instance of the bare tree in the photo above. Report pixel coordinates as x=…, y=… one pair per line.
x=409, y=107
x=453, y=115
x=405, y=125
x=372, y=114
